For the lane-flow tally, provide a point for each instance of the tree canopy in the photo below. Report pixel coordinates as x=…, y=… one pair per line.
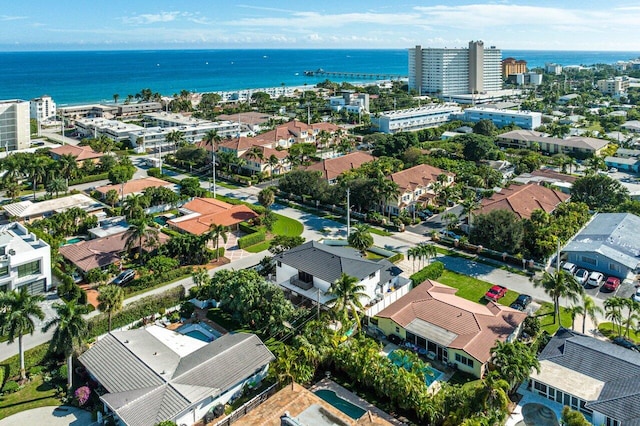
x=499, y=230
x=599, y=192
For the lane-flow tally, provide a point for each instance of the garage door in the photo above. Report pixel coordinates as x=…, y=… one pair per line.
x=36, y=287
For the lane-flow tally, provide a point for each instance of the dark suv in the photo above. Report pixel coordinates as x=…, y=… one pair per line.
x=124, y=277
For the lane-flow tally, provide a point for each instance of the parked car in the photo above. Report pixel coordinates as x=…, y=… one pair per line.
x=569, y=267
x=450, y=234
x=621, y=341
x=636, y=295
x=77, y=278
x=522, y=302
x=495, y=293
x=581, y=276
x=611, y=284
x=124, y=277
x=595, y=279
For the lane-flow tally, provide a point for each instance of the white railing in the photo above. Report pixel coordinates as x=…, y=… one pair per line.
x=388, y=299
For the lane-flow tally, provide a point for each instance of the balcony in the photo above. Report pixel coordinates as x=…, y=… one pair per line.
x=301, y=284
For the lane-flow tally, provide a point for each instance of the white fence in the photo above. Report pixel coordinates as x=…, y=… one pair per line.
x=388, y=299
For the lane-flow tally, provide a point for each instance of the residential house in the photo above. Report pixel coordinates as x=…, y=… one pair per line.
x=135, y=186
x=628, y=164
x=258, y=160
x=101, y=252
x=628, y=153
x=25, y=260
x=296, y=131
x=252, y=120
x=200, y=213
x=631, y=126
x=523, y=200
x=238, y=146
x=590, y=375
x=152, y=374
x=81, y=153
x=416, y=187
x=331, y=168
x=576, y=145
x=608, y=244
x=27, y=211
x=559, y=181
x=449, y=328
x=310, y=269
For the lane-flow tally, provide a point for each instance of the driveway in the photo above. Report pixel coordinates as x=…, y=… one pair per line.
x=435, y=222
x=50, y=416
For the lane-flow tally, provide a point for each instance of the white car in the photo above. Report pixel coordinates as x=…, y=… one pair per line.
x=581, y=276
x=569, y=267
x=636, y=296
x=595, y=279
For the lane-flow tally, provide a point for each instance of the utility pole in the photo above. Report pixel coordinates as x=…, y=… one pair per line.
x=348, y=213
x=213, y=172
x=558, y=257
x=318, y=302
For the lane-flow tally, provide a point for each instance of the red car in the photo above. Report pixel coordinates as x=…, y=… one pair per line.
x=611, y=284
x=495, y=293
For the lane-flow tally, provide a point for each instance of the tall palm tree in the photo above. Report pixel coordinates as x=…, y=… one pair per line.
x=574, y=311
x=347, y=292
x=255, y=153
x=273, y=161
x=613, y=311
x=211, y=137
x=427, y=251
x=386, y=190
x=557, y=285
x=12, y=189
x=133, y=206
x=468, y=206
x=37, y=170
x=266, y=197
x=140, y=234
x=110, y=300
x=360, y=237
x=70, y=332
x=68, y=167
x=632, y=313
x=514, y=361
x=200, y=277
x=589, y=309
x=215, y=233
x=412, y=254
x=17, y=310
x=175, y=137
x=56, y=186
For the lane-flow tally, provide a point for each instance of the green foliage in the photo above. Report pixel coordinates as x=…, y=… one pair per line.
x=192, y=155
x=121, y=173
x=188, y=249
x=485, y=128
x=430, y=272
x=90, y=178
x=477, y=147
x=166, y=423
x=148, y=281
x=34, y=356
x=187, y=309
x=573, y=418
x=514, y=361
x=251, y=239
x=599, y=192
x=360, y=237
x=161, y=264
x=247, y=229
x=190, y=187
x=154, y=172
x=499, y=230
x=10, y=387
x=396, y=258
x=282, y=243
x=95, y=275
x=133, y=312
x=531, y=326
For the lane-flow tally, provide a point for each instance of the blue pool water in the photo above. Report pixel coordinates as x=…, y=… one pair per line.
x=430, y=374
x=345, y=406
x=160, y=220
x=198, y=335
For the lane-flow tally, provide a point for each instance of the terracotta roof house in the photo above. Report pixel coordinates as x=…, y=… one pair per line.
x=523, y=200
x=81, y=153
x=416, y=186
x=589, y=375
x=26, y=211
x=296, y=131
x=136, y=186
x=239, y=146
x=311, y=268
x=200, y=213
x=153, y=374
x=331, y=168
x=295, y=405
x=449, y=328
x=101, y=252
x=252, y=119
x=260, y=163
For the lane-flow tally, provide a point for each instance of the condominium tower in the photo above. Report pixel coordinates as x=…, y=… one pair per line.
x=15, y=130
x=445, y=72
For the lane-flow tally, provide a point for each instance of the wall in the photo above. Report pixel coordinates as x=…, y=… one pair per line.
x=602, y=264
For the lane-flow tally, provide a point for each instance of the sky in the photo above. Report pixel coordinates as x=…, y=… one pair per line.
x=289, y=24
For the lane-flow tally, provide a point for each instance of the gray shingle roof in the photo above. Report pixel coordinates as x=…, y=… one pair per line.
x=617, y=367
x=141, y=396
x=611, y=234
x=328, y=262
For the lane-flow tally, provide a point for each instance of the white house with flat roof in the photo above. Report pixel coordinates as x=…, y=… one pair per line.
x=26, y=211
x=503, y=117
x=25, y=260
x=43, y=108
x=114, y=129
x=413, y=119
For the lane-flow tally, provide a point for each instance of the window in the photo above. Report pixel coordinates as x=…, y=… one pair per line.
x=30, y=268
x=397, y=329
x=373, y=321
x=589, y=260
x=612, y=422
x=305, y=277
x=614, y=267
x=4, y=270
x=411, y=338
x=279, y=264
x=464, y=360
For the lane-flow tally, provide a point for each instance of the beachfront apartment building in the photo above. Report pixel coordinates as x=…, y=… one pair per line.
x=615, y=86
x=25, y=260
x=15, y=127
x=42, y=108
x=113, y=129
x=89, y=110
x=502, y=117
x=445, y=72
x=513, y=66
x=350, y=101
x=414, y=119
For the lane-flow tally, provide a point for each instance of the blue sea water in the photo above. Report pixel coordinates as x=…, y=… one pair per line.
x=94, y=76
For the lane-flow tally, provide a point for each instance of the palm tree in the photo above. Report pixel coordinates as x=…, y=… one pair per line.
x=613, y=311
x=414, y=253
x=427, y=251
x=133, y=206
x=17, y=310
x=255, y=152
x=266, y=197
x=632, y=314
x=37, y=170
x=110, y=300
x=211, y=137
x=200, y=277
x=175, y=137
x=360, y=237
x=386, y=190
x=514, y=361
x=468, y=206
x=115, y=98
x=111, y=197
x=589, y=309
x=56, y=185
x=139, y=234
x=215, y=233
x=574, y=311
x=273, y=161
x=347, y=292
x=12, y=189
x=68, y=167
x=557, y=285
x=71, y=330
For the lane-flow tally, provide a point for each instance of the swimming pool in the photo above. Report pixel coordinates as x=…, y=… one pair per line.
x=199, y=331
x=430, y=374
x=160, y=220
x=343, y=405
x=73, y=240
x=196, y=334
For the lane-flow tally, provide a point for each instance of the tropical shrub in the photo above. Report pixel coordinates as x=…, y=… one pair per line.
x=430, y=272
x=251, y=239
x=10, y=387
x=82, y=394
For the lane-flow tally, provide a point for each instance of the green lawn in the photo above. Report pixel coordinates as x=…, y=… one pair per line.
x=607, y=329
x=381, y=232
x=257, y=248
x=34, y=394
x=545, y=315
x=373, y=256
x=472, y=288
x=287, y=226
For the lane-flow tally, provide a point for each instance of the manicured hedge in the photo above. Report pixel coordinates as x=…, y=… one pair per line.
x=246, y=228
x=90, y=178
x=154, y=172
x=396, y=258
x=252, y=239
x=430, y=272
x=135, y=311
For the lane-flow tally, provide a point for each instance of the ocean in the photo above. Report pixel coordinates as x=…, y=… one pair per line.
x=95, y=76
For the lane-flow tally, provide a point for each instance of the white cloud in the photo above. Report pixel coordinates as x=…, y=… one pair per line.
x=12, y=18
x=149, y=18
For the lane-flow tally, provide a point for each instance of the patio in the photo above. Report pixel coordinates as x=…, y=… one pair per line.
x=541, y=415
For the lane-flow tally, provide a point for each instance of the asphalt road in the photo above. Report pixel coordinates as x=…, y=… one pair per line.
x=434, y=223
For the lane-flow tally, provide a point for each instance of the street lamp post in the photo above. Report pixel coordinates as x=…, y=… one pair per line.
x=348, y=213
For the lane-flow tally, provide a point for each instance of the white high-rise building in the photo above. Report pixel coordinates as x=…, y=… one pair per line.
x=43, y=108
x=15, y=129
x=444, y=71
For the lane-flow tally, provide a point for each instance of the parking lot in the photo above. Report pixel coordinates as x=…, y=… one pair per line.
x=626, y=289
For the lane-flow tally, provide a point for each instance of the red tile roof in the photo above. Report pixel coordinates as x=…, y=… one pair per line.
x=475, y=327
x=243, y=143
x=523, y=200
x=421, y=175
x=331, y=168
x=80, y=152
x=134, y=186
x=266, y=153
x=210, y=211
